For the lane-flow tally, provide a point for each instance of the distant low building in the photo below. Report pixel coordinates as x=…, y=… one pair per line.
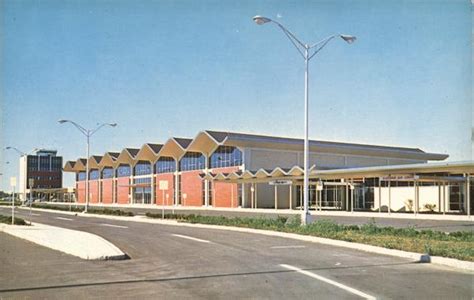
x=43, y=169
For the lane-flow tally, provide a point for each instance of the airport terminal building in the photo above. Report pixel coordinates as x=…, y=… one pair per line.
x=230, y=170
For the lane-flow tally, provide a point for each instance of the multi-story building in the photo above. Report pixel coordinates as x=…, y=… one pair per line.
x=43, y=169
x=226, y=169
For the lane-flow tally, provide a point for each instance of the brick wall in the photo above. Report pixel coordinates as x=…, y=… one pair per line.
x=191, y=185
x=225, y=194
x=107, y=190
x=81, y=191
x=122, y=190
x=169, y=177
x=94, y=191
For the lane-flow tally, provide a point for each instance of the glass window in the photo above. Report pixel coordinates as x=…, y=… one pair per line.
x=94, y=174
x=81, y=176
x=107, y=173
x=124, y=171
x=165, y=164
x=192, y=161
x=56, y=163
x=142, y=168
x=225, y=156
x=44, y=163
x=32, y=162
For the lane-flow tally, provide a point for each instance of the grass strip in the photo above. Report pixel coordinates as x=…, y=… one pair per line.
x=8, y=220
x=99, y=211
x=459, y=245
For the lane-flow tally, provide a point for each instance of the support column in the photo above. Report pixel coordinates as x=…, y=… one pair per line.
x=252, y=195
x=347, y=197
x=415, y=189
x=152, y=185
x=291, y=196
x=320, y=200
x=176, y=183
x=380, y=195
x=276, y=197
x=389, y=196
x=352, y=195
x=206, y=182
x=363, y=193
x=444, y=198
x=439, y=196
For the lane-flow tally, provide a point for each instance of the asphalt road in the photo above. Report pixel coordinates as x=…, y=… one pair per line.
x=171, y=262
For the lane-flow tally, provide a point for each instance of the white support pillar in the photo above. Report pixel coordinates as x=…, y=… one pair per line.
x=276, y=197
x=206, y=182
x=176, y=183
x=291, y=196
x=444, y=198
x=439, y=196
x=347, y=196
x=415, y=189
x=389, y=196
x=320, y=200
x=252, y=195
x=380, y=195
x=352, y=195
x=363, y=193
x=152, y=186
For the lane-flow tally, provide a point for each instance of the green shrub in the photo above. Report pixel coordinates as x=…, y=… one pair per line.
x=8, y=220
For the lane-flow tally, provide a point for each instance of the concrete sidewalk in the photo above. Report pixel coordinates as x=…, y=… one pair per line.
x=77, y=243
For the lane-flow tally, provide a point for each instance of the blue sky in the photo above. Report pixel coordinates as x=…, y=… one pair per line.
x=173, y=68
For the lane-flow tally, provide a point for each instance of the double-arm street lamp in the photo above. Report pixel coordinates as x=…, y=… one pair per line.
x=87, y=133
x=307, y=52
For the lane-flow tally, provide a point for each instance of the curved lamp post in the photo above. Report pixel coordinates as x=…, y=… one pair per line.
x=307, y=52
x=87, y=133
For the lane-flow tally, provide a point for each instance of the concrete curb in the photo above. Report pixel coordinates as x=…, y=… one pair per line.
x=375, y=214
x=77, y=243
x=425, y=258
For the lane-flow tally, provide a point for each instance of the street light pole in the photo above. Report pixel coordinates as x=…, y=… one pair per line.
x=87, y=133
x=304, y=50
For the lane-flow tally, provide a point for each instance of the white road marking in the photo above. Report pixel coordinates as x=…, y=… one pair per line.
x=337, y=284
x=191, y=238
x=287, y=247
x=65, y=219
x=111, y=225
x=35, y=214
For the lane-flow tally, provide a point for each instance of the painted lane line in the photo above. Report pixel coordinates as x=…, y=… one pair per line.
x=190, y=238
x=111, y=225
x=324, y=279
x=65, y=219
x=287, y=247
x=33, y=214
